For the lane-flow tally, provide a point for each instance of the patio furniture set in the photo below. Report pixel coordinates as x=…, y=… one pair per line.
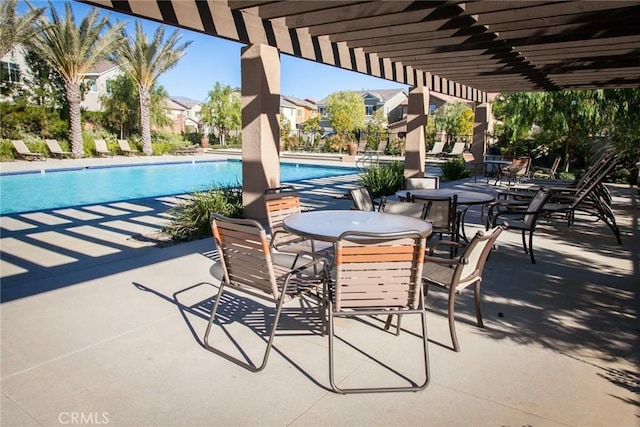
x=372, y=261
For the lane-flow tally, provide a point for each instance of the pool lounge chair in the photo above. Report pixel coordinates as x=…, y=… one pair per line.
x=101, y=148
x=126, y=149
x=23, y=151
x=436, y=150
x=457, y=149
x=56, y=150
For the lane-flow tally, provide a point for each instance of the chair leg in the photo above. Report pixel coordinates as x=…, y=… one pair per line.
x=239, y=362
x=524, y=242
x=477, y=304
x=533, y=260
x=452, y=321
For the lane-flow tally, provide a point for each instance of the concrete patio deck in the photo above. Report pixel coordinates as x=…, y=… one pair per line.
x=101, y=326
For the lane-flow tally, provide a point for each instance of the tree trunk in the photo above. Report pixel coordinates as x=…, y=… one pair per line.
x=75, y=133
x=567, y=150
x=145, y=122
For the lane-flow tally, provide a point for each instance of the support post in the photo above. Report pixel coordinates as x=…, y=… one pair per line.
x=260, y=70
x=414, y=164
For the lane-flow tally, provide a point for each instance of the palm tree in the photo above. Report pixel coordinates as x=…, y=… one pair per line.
x=72, y=50
x=145, y=62
x=16, y=29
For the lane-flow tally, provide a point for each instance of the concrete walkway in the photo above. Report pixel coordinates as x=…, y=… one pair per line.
x=100, y=326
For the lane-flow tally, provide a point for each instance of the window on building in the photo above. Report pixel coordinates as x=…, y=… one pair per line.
x=368, y=110
x=9, y=72
x=432, y=109
x=299, y=113
x=93, y=85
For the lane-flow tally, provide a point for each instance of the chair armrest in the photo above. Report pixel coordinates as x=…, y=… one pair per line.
x=445, y=261
x=443, y=243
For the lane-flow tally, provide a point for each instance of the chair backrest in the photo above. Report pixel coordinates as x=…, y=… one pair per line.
x=475, y=255
x=492, y=168
x=438, y=147
x=375, y=270
x=520, y=166
x=554, y=167
x=441, y=213
x=362, y=146
x=20, y=146
x=468, y=157
x=101, y=145
x=53, y=145
x=362, y=199
x=458, y=148
x=416, y=210
x=382, y=146
x=424, y=183
x=124, y=145
x=280, y=202
x=244, y=254
x=535, y=207
x=321, y=145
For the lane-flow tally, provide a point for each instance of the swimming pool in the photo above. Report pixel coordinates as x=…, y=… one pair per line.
x=27, y=192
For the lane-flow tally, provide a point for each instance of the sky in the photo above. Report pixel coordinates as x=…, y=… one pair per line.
x=211, y=59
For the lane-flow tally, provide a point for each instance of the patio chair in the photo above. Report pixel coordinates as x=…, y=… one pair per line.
x=126, y=149
x=519, y=217
x=459, y=273
x=517, y=170
x=362, y=199
x=473, y=165
x=546, y=173
x=280, y=202
x=423, y=183
x=101, y=148
x=56, y=150
x=248, y=267
x=407, y=208
x=456, y=150
x=436, y=150
x=23, y=151
x=377, y=274
x=442, y=214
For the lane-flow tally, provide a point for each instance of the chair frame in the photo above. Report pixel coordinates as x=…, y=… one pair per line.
x=126, y=149
x=437, y=149
x=425, y=182
x=363, y=260
x=460, y=282
x=362, y=199
x=406, y=207
x=102, y=148
x=457, y=149
x=23, y=151
x=248, y=268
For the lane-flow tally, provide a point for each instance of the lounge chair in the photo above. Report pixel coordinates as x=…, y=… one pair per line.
x=456, y=150
x=23, y=151
x=248, y=266
x=436, y=150
x=467, y=271
x=517, y=170
x=126, y=149
x=377, y=274
x=101, y=148
x=547, y=173
x=56, y=150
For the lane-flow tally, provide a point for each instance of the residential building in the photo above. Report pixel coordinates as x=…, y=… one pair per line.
x=13, y=66
x=288, y=111
x=305, y=109
x=97, y=79
x=189, y=115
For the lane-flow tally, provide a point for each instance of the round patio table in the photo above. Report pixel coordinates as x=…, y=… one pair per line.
x=330, y=224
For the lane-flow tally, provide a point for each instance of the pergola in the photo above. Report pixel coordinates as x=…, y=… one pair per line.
x=463, y=49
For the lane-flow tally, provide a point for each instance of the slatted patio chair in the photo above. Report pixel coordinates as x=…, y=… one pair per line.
x=23, y=151
x=248, y=267
x=56, y=150
x=101, y=148
x=377, y=274
x=459, y=273
x=126, y=149
x=280, y=202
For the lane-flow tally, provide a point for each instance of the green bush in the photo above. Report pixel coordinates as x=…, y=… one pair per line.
x=383, y=180
x=396, y=147
x=455, y=169
x=191, y=218
x=6, y=151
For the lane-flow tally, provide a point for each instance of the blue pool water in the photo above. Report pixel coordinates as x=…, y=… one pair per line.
x=58, y=189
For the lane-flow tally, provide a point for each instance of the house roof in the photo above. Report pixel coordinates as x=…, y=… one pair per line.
x=382, y=94
x=102, y=67
x=307, y=103
x=170, y=104
x=286, y=103
x=463, y=49
x=185, y=102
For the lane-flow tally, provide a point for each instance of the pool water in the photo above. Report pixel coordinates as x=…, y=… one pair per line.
x=58, y=189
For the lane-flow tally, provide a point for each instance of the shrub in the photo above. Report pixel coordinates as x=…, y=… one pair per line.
x=396, y=147
x=455, y=169
x=336, y=143
x=191, y=218
x=383, y=180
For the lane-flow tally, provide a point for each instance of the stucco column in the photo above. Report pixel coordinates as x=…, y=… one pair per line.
x=260, y=69
x=481, y=126
x=416, y=122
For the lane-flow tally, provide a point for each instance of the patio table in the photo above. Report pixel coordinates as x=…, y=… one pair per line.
x=330, y=224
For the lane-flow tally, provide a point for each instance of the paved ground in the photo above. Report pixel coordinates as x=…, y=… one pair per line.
x=102, y=327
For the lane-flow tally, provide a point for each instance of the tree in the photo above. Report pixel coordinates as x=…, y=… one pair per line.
x=377, y=127
x=145, y=62
x=346, y=111
x=16, y=30
x=120, y=105
x=312, y=129
x=454, y=119
x=222, y=110
x=72, y=50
